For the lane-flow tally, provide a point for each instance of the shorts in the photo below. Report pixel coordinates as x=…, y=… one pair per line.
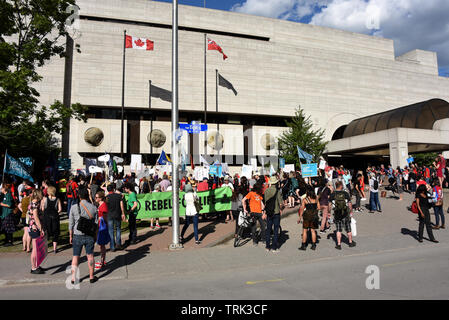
x=80, y=241
x=346, y=223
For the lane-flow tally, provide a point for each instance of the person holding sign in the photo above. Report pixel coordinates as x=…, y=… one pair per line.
x=192, y=213
x=36, y=229
x=132, y=213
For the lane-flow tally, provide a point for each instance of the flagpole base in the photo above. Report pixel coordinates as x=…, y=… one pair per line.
x=175, y=247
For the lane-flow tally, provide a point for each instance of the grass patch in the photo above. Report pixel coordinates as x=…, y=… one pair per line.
x=64, y=238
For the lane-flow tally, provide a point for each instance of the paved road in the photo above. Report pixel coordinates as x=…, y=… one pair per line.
x=407, y=269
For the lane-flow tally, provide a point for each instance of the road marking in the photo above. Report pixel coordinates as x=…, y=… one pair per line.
x=263, y=281
x=403, y=262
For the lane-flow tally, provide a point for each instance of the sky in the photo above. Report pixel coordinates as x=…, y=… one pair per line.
x=412, y=24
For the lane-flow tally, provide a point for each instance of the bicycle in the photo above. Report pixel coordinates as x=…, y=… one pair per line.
x=245, y=223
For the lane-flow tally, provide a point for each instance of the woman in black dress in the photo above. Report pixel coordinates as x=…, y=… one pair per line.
x=309, y=209
x=422, y=200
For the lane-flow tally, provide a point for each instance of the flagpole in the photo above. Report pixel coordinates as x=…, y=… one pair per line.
x=216, y=110
x=151, y=114
x=4, y=168
x=205, y=89
x=174, y=127
x=123, y=93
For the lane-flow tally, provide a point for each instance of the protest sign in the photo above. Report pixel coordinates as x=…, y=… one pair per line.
x=41, y=250
x=289, y=168
x=309, y=170
x=247, y=171
x=159, y=204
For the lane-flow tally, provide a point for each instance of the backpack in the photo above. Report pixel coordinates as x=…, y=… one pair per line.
x=376, y=184
x=52, y=208
x=70, y=189
x=341, y=209
x=415, y=207
x=270, y=204
x=334, y=174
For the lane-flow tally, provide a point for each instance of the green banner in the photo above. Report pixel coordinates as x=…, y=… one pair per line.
x=159, y=204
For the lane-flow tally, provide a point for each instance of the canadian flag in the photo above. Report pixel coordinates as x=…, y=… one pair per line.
x=139, y=43
x=212, y=45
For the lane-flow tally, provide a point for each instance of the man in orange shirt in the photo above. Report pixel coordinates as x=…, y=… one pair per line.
x=257, y=211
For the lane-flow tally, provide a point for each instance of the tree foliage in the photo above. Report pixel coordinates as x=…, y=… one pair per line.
x=31, y=33
x=302, y=134
x=425, y=159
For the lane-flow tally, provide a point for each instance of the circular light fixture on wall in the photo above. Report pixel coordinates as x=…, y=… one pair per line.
x=215, y=140
x=267, y=141
x=93, y=136
x=156, y=138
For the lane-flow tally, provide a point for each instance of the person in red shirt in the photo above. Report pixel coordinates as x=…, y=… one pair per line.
x=72, y=193
x=102, y=214
x=203, y=186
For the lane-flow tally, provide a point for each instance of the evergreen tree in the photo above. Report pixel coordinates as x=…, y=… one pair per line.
x=301, y=134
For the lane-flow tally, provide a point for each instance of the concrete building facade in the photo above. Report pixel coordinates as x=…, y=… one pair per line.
x=275, y=65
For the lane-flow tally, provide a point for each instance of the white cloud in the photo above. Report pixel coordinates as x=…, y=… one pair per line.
x=412, y=24
x=266, y=8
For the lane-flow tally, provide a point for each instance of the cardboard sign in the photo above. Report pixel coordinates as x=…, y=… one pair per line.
x=289, y=168
x=247, y=171
x=41, y=250
x=309, y=170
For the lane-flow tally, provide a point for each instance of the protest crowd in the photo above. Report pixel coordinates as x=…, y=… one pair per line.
x=97, y=207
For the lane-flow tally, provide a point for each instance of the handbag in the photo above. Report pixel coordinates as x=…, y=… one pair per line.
x=198, y=205
x=103, y=233
x=86, y=226
x=34, y=234
x=353, y=227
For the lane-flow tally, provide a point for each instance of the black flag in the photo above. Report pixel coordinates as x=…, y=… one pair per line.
x=225, y=83
x=160, y=93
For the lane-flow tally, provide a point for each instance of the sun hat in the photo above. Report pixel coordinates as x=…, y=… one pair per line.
x=273, y=180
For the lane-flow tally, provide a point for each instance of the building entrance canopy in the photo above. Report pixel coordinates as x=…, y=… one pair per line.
x=421, y=127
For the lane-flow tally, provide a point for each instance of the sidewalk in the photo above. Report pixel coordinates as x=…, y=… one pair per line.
x=127, y=263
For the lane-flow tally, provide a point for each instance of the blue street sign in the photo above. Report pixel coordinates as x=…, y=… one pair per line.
x=193, y=127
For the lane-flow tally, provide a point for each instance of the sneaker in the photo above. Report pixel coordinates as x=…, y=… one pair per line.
x=151, y=228
x=37, y=271
x=95, y=279
x=255, y=244
x=352, y=244
x=198, y=242
x=98, y=265
x=371, y=211
x=267, y=249
x=157, y=227
x=275, y=251
x=338, y=247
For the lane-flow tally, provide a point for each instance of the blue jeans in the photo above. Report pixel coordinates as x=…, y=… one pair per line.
x=115, y=224
x=439, y=213
x=374, y=203
x=70, y=202
x=275, y=221
x=188, y=221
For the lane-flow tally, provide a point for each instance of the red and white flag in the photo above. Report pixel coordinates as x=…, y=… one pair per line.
x=212, y=45
x=139, y=43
